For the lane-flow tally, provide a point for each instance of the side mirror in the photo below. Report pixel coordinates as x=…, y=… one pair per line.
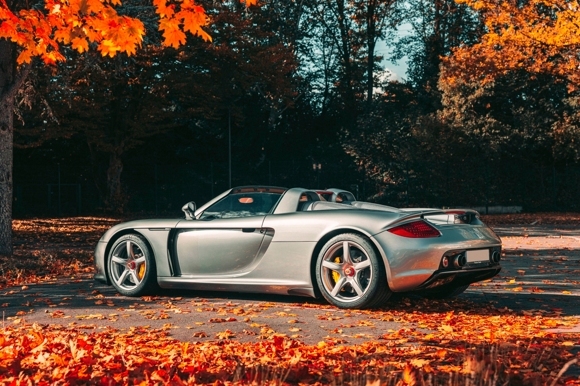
x=189, y=210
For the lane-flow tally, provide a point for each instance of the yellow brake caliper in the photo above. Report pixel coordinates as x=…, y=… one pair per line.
x=336, y=275
x=141, y=272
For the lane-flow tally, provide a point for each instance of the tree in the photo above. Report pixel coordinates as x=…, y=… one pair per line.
x=435, y=28
x=539, y=36
x=116, y=107
x=536, y=43
x=376, y=18
x=27, y=32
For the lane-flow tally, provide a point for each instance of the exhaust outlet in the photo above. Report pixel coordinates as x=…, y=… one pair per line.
x=495, y=257
x=460, y=261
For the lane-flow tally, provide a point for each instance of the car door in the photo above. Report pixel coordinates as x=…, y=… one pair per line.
x=226, y=238
x=219, y=246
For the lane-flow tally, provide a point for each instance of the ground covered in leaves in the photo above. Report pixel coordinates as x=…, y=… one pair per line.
x=48, y=248
x=437, y=343
x=59, y=355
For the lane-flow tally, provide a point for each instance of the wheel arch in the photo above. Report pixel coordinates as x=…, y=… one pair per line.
x=114, y=239
x=323, y=240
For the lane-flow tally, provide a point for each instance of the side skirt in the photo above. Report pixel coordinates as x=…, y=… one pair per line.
x=263, y=286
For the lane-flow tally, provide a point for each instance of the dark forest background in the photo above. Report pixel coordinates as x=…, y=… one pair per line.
x=298, y=90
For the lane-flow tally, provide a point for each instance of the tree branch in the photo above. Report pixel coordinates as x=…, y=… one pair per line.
x=13, y=88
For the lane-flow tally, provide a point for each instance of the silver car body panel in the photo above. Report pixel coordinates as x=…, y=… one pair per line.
x=275, y=253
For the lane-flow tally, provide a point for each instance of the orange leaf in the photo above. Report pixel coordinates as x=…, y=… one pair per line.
x=173, y=37
x=80, y=44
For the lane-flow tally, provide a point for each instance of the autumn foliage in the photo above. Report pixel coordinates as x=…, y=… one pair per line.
x=82, y=24
x=539, y=36
x=486, y=347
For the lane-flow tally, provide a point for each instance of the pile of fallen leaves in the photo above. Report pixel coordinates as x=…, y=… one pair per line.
x=35, y=354
x=45, y=249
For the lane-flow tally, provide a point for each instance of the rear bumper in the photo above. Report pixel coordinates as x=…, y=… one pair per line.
x=416, y=263
x=460, y=277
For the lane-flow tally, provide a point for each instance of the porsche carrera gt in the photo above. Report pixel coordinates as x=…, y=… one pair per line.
x=275, y=240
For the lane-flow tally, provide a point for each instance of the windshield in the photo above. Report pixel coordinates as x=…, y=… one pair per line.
x=242, y=205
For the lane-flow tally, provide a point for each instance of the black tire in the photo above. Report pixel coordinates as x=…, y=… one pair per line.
x=355, y=279
x=131, y=266
x=444, y=292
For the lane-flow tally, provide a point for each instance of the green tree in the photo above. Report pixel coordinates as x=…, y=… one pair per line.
x=435, y=27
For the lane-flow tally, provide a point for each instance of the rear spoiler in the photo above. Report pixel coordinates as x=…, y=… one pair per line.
x=443, y=216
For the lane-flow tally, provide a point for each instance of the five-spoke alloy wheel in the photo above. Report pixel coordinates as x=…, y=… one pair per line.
x=349, y=273
x=131, y=266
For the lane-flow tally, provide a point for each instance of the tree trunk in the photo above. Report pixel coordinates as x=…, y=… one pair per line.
x=115, y=199
x=6, y=137
x=346, y=55
x=371, y=43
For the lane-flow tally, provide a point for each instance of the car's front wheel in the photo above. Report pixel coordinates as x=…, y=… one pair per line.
x=349, y=273
x=131, y=266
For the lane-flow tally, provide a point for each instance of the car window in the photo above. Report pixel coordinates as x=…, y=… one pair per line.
x=241, y=205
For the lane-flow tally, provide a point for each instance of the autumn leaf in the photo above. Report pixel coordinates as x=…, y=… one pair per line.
x=222, y=320
x=173, y=36
x=82, y=24
x=80, y=44
x=227, y=334
x=194, y=21
x=540, y=36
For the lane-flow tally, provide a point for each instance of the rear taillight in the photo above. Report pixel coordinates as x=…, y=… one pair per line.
x=416, y=230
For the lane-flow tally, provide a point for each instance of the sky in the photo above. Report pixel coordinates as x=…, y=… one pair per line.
x=398, y=69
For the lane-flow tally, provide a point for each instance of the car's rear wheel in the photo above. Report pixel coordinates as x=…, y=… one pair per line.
x=131, y=266
x=350, y=274
x=444, y=292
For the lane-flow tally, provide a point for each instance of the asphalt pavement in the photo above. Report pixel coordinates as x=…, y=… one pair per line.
x=541, y=271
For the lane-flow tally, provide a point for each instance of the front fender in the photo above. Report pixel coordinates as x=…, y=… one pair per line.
x=155, y=232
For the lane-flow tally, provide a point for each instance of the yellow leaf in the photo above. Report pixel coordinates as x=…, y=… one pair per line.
x=107, y=47
x=446, y=328
x=419, y=362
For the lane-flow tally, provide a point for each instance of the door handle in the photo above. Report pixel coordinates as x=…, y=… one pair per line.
x=248, y=230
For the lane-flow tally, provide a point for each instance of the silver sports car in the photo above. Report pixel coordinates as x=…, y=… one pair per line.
x=290, y=241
